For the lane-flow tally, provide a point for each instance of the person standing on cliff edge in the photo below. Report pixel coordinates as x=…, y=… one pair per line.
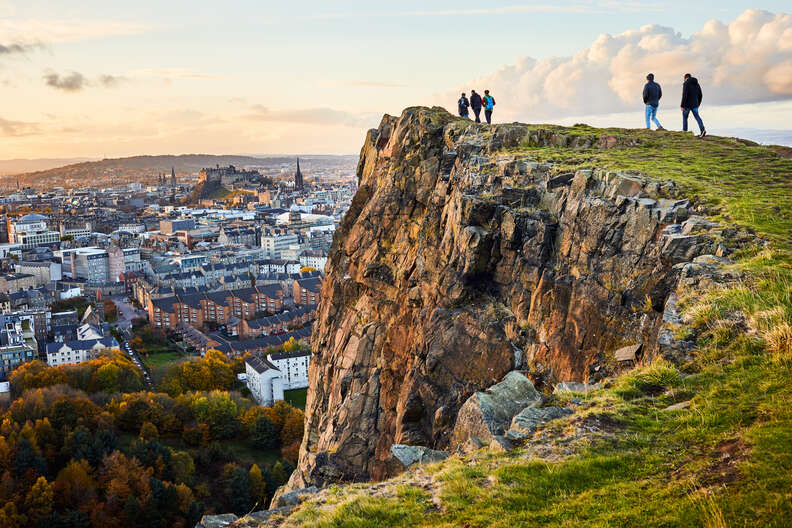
x=463, y=105
x=651, y=98
x=489, y=106
x=691, y=100
x=475, y=104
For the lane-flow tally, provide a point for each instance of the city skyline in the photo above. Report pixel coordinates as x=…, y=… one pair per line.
x=100, y=81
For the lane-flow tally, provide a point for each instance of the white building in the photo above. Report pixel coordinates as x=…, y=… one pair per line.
x=73, y=352
x=89, y=263
x=268, y=377
x=313, y=258
x=31, y=231
x=275, y=244
x=263, y=380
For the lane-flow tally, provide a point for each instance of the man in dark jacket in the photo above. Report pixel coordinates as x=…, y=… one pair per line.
x=475, y=104
x=651, y=98
x=691, y=100
x=463, y=105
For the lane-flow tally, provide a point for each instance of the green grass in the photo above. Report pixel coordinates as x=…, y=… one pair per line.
x=159, y=359
x=726, y=459
x=750, y=185
x=296, y=397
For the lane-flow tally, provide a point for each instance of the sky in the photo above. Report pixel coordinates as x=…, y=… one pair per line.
x=101, y=79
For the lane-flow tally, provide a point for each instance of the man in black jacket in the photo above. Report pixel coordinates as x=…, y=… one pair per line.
x=651, y=98
x=463, y=105
x=691, y=100
x=475, y=104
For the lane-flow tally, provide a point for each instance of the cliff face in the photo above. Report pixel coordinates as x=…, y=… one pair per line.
x=461, y=260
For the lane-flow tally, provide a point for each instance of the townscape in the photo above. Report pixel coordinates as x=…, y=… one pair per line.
x=239, y=272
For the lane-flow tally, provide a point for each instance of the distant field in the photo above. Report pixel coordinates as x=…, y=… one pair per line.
x=296, y=397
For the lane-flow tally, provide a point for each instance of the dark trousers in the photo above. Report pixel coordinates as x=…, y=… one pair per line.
x=488, y=115
x=686, y=113
x=477, y=111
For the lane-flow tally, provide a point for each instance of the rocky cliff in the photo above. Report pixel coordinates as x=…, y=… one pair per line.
x=460, y=260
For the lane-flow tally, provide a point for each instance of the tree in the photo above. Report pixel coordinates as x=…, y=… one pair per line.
x=74, y=486
x=264, y=434
x=28, y=460
x=183, y=467
x=39, y=500
x=237, y=489
x=258, y=488
x=293, y=426
x=10, y=518
x=279, y=473
x=148, y=431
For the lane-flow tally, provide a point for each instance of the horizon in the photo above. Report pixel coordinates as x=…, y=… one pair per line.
x=102, y=82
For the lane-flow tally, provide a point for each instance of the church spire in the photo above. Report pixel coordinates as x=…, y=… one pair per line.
x=298, y=177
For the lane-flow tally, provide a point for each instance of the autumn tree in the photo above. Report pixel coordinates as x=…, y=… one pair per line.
x=39, y=500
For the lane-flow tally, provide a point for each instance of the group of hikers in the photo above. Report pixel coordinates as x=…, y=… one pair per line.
x=691, y=100
x=476, y=103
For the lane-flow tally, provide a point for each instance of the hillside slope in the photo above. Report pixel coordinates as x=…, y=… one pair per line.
x=470, y=251
x=135, y=168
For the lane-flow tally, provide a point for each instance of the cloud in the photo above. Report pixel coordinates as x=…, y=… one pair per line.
x=73, y=82
x=16, y=128
x=8, y=49
x=312, y=116
x=111, y=81
x=747, y=61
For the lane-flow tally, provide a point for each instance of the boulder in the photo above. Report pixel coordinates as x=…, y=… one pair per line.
x=292, y=498
x=216, y=521
x=628, y=353
x=404, y=456
x=489, y=413
x=574, y=386
x=528, y=420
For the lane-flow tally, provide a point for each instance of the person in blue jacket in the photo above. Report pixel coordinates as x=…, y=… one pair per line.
x=651, y=98
x=489, y=106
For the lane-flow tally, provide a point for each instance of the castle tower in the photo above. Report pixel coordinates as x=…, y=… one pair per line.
x=298, y=177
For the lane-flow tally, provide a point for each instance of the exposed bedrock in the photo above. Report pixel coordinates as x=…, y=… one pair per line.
x=461, y=260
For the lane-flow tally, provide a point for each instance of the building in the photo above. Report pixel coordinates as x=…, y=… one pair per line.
x=298, y=178
x=15, y=282
x=89, y=263
x=274, y=244
x=274, y=324
x=31, y=231
x=307, y=291
x=238, y=236
x=217, y=307
x=44, y=272
x=263, y=380
x=17, y=344
x=123, y=260
x=313, y=258
x=169, y=227
x=73, y=352
x=268, y=377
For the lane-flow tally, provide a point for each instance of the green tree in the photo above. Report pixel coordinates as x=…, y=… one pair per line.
x=148, y=431
x=264, y=434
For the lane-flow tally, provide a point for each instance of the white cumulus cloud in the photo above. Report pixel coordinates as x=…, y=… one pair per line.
x=746, y=61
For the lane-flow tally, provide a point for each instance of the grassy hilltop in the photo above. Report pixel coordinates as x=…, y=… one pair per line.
x=723, y=458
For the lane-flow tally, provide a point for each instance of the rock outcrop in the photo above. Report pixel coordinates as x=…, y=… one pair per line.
x=460, y=260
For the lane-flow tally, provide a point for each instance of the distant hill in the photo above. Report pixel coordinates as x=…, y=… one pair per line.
x=19, y=166
x=135, y=168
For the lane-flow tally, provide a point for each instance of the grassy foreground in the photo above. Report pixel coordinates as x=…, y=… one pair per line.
x=723, y=459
